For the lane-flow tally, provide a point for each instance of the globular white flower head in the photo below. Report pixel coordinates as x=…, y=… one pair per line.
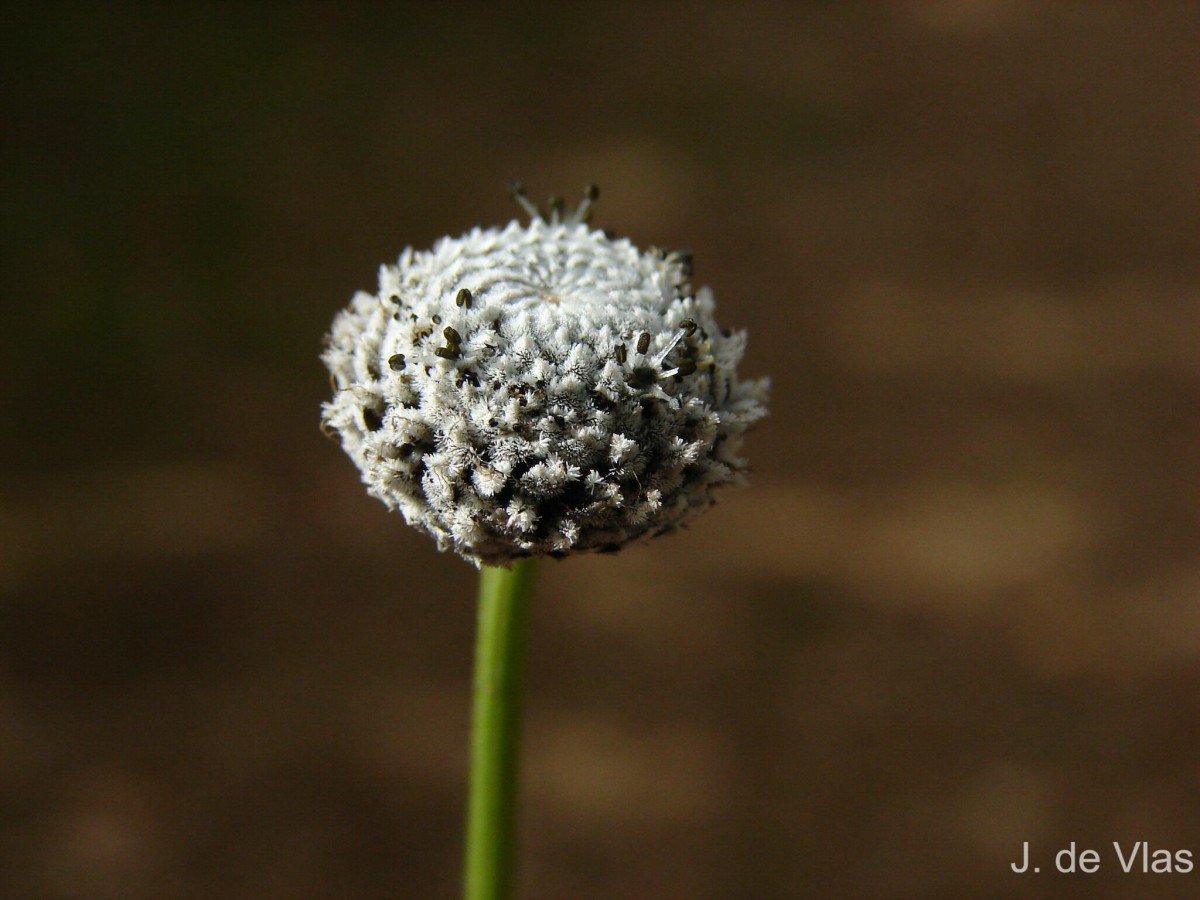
x=540, y=389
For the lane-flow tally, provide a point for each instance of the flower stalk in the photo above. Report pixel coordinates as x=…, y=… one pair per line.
x=504, y=600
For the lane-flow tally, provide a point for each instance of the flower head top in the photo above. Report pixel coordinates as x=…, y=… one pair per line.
x=540, y=389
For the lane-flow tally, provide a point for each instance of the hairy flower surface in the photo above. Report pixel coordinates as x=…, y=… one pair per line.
x=540, y=389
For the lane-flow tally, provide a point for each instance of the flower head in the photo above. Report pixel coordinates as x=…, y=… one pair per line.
x=540, y=389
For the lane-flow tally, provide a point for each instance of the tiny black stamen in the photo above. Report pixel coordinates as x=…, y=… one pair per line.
x=453, y=338
x=619, y=352
x=437, y=320
x=687, y=367
x=583, y=213
x=446, y=352
x=517, y=191
x=688, y=326
x=643, y=377
x=463, y=298
x=396, y=362
x=372, y=419
x=643, y=343
x=683, y=257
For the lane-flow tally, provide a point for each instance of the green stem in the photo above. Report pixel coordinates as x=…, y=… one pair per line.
x=504, y=598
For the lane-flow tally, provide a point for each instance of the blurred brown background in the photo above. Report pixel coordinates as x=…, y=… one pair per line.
x=958, y=609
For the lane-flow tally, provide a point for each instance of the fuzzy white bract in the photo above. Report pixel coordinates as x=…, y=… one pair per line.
x=540, y=389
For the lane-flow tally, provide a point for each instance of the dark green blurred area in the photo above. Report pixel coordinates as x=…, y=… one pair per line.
x=958, y=609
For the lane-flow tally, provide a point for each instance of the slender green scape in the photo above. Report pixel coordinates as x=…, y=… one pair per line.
x=504, y=600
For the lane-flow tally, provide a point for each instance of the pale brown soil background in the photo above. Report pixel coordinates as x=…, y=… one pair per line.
x=959, y=607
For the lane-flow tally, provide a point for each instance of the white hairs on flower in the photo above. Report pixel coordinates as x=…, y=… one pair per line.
x=540, y=389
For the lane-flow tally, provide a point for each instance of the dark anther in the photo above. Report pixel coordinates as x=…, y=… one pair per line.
x=554, y=205
x=643, y=377
x=396, y=362
x=687, y=367
x=405, y=450
x=437, y=320
x=688, y=325
x=463, y=298
x=560, y=421
x=643, y=343
x=372, y=419
x=583, y=213
x=446, y=352
x=453, y=338
x=517, y=191
x=683, y=257
x=396, y=299
x=619, y=352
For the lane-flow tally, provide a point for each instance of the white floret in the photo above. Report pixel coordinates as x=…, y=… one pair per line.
x=581, y=398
